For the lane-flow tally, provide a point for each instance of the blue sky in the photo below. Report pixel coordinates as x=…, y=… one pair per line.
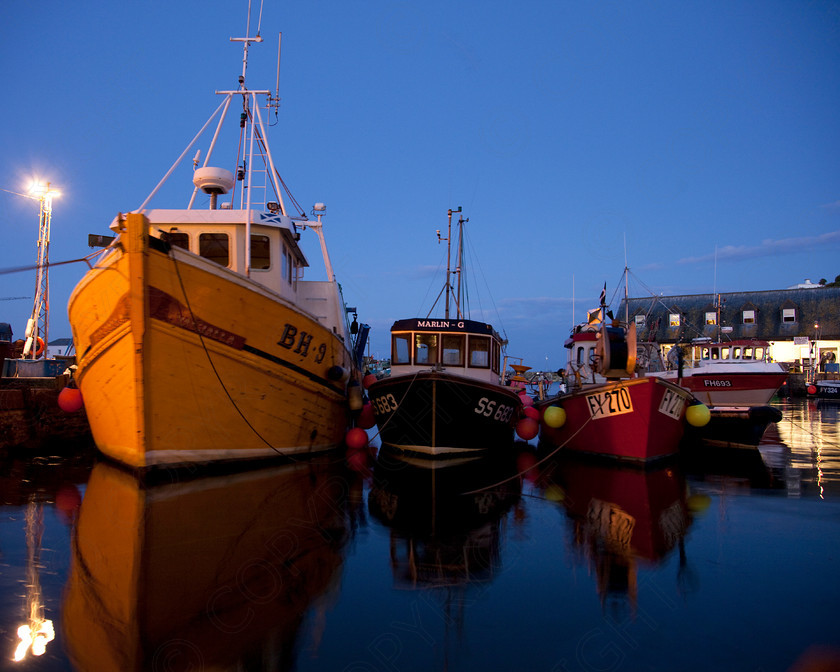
x=697, y=142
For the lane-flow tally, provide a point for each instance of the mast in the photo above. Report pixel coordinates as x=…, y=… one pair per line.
x=626, y=273
x=459, y=297
x=448, y=249
x=448, y=284
x=626, y=296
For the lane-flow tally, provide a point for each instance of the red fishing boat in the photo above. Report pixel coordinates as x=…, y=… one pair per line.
x=605, y=408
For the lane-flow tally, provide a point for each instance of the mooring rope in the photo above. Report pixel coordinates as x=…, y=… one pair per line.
x=399, y=406
x=213, y=366
x=35, y=267
x=533, y=466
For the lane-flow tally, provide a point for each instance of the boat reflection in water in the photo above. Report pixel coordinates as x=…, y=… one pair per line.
x=622, y=517
x=208, y=573
x=444, y=517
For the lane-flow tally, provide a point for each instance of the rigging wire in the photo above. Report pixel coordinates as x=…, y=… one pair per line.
x=432, y=282
x=473, y=255
x=657, y=300
x=533, y=466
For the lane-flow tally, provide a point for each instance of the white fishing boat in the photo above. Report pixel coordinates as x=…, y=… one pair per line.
x=198, y=338
x=720, y=373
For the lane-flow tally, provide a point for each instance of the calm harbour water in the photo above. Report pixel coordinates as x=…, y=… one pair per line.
x=728, y=561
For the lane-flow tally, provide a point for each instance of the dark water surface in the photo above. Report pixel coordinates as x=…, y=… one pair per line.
x=725, y=561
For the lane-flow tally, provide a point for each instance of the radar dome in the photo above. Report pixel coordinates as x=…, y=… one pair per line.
x=213, y=180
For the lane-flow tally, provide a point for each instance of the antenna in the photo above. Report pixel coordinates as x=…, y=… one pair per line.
x=247, y=42
x=626, y=295
x=714, y=278
x=277, y=88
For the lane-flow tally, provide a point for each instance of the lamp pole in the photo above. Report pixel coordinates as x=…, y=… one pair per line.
x=816, y=348
x=38, y=325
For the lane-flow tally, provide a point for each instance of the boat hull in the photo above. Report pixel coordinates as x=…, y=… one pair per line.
x=639, y=420
x=181, y=361
x=734, y=427
x=733, y=388
x=826, y=389
x=438, y=414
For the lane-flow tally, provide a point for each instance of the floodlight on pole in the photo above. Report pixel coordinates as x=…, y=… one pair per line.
x=37, y=327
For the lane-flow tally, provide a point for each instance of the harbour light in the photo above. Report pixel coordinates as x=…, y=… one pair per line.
x=35, y=637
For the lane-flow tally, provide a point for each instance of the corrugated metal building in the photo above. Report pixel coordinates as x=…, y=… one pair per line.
x=800, y=323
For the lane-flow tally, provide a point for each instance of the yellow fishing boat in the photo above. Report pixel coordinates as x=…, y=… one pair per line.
x=197, y=337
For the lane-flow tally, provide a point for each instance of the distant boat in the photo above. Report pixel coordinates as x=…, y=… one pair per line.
x=606, y=408
x=198, y=339
x=445, y=394
x=735, y=373
x=824, y=389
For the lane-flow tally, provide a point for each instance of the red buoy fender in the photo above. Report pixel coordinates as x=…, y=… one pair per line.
x=70, y=399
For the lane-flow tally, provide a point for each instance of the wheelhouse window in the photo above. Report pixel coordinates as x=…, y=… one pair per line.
x=788, y=314
x=452, y=346
x=711, y=317
x=479, y=352
x=401, y=349
x=284, y=263
x=674, y=319
x=583, y=355
x=497, y=357
x=425, y=348
x=640, y=321
x=181, y=240
x=215, y=247
x=748, y=317
x=260, y=253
